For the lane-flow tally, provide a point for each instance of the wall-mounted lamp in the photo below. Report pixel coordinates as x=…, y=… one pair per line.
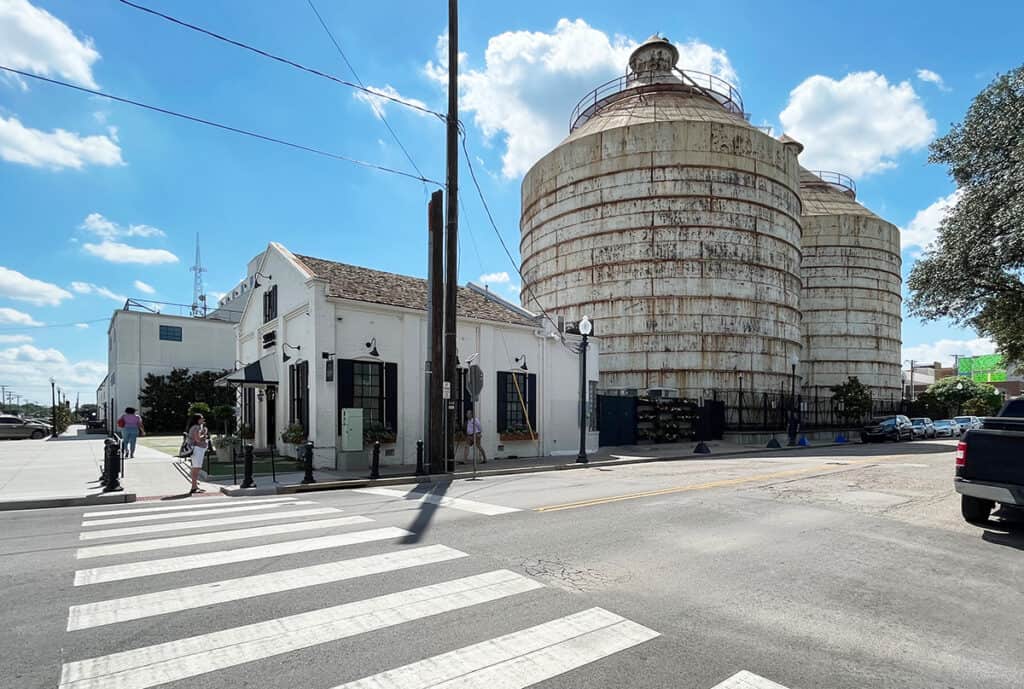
x=327, y=355
x=259, y=395
x=522, y=358
x=256, y=278
x=372, y=346
x=285, y=346
x=328, y=366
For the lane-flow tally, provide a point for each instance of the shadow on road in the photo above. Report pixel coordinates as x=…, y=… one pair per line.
x=421, y=523
x=1009, y=530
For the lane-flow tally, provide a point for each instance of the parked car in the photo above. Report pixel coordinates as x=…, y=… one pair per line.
x=967, y=423
x=947, y=428
x=882, y=428
x=15, y=428
x=923, y=427
x=990, y=464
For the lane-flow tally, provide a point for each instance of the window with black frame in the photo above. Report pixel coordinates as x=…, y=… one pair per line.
x=270, y=304
x=373, y=387
x=517, y=406
x=368, y=391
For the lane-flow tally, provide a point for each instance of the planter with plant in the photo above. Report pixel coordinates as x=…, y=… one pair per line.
x=378, y=432
x=293, y=437
x=511, y=435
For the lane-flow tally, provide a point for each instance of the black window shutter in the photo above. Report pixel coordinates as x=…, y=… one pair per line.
x=531, y=399
x=502, y=401
x=346, y=376
x=391, y=396
x=302, y=375
x=291, y=394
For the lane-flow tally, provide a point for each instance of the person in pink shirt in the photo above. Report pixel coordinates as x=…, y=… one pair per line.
x=131, y=427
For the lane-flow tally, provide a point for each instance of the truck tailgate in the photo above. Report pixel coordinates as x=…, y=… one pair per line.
x=996, y=456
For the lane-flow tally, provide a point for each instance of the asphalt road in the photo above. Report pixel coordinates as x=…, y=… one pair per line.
x=838, y=568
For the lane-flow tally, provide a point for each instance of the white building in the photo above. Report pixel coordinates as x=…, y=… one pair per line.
x=144, y=338
x=321, y=337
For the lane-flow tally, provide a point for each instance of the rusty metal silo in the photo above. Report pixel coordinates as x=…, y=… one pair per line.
x=851, y=298
x=674, y=224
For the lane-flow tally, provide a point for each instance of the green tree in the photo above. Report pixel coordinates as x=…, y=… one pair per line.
x=973, y=273
x=855, y=399
x=955, y=393
x=166, y=400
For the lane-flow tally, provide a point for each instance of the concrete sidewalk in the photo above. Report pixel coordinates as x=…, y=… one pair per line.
x=65, y=471
x=606, y=456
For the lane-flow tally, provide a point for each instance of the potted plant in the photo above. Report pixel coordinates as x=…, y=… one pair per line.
x=513, y=434
x=378, y=432
x=294, y=435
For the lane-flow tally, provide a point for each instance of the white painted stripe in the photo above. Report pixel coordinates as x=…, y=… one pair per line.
x=174, y=660
x=748, y=680
x=214, y=537
x=518, y=659
x=441, y=500
x=204, y=524
x=148, y=568
x=228, y=509
x=244, y=588
x=204, y=504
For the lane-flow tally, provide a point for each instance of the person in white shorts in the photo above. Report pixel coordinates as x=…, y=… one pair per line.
x=198, y=437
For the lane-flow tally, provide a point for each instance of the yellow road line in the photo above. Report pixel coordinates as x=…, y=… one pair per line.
x=683, y=489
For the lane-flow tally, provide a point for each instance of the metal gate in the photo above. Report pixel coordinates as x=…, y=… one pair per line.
x=617, y=420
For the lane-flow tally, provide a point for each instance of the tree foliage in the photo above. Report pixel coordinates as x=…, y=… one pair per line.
x=962, y=395
x=854, y=397
x=166, y=400
x=973, y=273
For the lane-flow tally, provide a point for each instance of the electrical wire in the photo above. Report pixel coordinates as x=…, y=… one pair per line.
x=33, y=328
x=379, y=112
x=236, y=130
x=283, y=60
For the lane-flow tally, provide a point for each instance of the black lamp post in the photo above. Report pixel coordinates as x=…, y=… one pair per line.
x=959, y=397
x=585, y=328
x=53, y=406
x=741, y=402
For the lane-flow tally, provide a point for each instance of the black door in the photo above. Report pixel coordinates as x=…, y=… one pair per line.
x=271, y=417
x=616, y=419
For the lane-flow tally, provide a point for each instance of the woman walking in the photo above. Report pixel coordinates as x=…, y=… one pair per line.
x=198, y=438
x=130, y=424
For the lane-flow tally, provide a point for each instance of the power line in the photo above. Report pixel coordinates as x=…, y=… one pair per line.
x=236, y=130
x=282, y=60
x=32, y=328
x=379, y=112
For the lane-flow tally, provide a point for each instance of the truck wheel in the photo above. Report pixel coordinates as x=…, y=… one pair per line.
x=976, y=510
x=36, y=435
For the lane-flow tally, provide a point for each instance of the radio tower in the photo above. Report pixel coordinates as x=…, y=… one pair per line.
x=198, y=293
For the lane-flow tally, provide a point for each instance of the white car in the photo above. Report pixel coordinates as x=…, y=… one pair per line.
x=967, y=423
x=947, y=428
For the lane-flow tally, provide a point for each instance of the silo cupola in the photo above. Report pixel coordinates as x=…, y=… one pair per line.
x=653, y=61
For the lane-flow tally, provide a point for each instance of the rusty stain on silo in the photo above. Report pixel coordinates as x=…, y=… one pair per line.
x=675, y=225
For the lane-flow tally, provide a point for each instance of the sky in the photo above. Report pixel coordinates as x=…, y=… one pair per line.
x=102, y=200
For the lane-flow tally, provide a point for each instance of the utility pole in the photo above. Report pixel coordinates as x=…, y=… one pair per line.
x=434, y=411
x=452, y=223
x=3, y=396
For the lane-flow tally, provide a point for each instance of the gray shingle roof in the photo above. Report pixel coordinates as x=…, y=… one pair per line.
x=378, y=287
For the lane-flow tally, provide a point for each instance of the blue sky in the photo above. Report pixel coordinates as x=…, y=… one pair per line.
x=98, y=197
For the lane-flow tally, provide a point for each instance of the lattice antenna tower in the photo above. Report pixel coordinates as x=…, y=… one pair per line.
x=198, y=292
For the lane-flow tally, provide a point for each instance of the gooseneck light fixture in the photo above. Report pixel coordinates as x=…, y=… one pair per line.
x=372, y=346
x=285, y=346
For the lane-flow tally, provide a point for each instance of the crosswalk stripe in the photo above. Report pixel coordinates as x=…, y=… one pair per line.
x=204, y=524
x=132, y=570
x=518, y=659
x=190, y=505
x=442, y=501
x=229, y=509
x=167, y=662
x=214, y=537
x=748, y=680
x=117, y=610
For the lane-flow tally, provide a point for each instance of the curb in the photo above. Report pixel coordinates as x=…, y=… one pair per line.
x=348, y=484
x=75, y=501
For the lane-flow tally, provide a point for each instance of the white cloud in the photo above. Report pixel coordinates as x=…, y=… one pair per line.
x=943, y=350
x=55, y=150
x=104, y=228
x=116, y=252
x=531, y=81
x=924, y=226
x=14, y=339
x=932, y=78
x=378, y=104
x=14, y=317
x=143, y=287
x=28, y=369
x=89, y=288
x=33, y=40
x=82, y=326
x=14, y=285
x=856, y=125
x=494, y=278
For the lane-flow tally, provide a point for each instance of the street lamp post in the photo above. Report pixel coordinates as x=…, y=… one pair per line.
x=585, y=328
x=959, y=400
x=741, y=402
x=53, y=406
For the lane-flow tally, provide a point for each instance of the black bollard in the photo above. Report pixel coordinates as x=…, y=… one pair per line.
x=420, y=469
x=375, y=462
x=308, y=478
x=234, y=466
x=247, y=480
x=103, y=465
x=773, y=444
x=111, y=459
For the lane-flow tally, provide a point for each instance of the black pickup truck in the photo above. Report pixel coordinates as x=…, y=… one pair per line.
x=990, y=464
